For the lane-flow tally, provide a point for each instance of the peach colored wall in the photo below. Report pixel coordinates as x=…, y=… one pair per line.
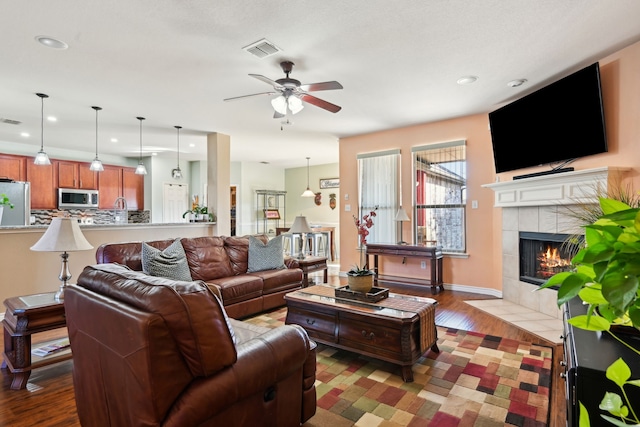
x=483, y=268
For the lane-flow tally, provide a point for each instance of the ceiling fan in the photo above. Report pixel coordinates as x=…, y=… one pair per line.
x=291, y=93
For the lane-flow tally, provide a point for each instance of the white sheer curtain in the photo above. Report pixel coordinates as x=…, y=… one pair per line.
x=378, y=186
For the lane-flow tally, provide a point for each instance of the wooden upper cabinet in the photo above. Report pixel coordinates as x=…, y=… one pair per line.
x=13, y=167
x=76, y=175
x=133, y=188
x=43, y=191
x=109, y=186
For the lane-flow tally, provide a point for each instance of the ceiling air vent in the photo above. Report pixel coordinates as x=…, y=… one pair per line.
x=9, y=121
x=262, y=48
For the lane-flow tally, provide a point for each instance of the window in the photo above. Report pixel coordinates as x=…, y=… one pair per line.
x=441, y=195
x=378, y=186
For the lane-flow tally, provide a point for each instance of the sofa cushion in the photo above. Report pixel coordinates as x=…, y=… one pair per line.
x=237, y=248
x=278, y=280
x=127, y=253
x=192, y=313
x=207, y=257
x=235, y=289
x=265, y=256
x=170, y=262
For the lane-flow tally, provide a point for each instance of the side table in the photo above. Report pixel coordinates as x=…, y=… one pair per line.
x=27, y=315
x=311, y=264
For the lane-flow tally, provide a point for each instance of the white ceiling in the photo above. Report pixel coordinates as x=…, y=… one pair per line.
x=174, y=61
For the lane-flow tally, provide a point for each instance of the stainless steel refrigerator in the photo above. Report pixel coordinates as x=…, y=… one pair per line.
x=20, y=196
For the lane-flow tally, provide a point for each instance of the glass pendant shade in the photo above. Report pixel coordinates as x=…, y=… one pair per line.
x=177, y=173
x=295, y=104
x=41, y=157
x=280, y=104
x=96, y=164
x=140, y=169
x=308, y=192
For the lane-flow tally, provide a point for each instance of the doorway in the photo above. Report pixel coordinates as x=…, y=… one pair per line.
x=175, y=202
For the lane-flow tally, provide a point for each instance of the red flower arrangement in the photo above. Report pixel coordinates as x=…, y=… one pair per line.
x=363, y=225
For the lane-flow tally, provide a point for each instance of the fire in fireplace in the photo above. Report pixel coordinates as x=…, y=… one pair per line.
x=542, y=255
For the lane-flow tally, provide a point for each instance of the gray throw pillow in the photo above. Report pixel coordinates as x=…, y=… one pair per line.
x=267, y=256
x=170, y=263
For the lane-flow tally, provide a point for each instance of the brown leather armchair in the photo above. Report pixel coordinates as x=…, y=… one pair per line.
x=149, y=351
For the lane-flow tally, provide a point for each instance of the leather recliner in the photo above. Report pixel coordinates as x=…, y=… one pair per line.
x=149, y=351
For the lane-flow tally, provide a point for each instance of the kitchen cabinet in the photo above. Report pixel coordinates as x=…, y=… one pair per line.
x=76, y=175
x=13, y=167
x=42, y=179
x=117, y=181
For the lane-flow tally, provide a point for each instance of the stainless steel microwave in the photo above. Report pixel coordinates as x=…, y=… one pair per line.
x=74, y=198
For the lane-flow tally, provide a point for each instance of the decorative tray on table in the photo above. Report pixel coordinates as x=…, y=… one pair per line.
x=374, y=295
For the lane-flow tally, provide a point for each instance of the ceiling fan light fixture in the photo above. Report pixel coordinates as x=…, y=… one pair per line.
x=280, y=104
x=295, y=104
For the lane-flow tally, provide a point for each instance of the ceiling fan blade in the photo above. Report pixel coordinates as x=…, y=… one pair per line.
x=313, y=87
x=267, y=80
x=320, y=103
x=248, y=96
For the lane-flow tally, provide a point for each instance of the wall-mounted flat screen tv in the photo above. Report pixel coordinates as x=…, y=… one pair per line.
x=555, y=124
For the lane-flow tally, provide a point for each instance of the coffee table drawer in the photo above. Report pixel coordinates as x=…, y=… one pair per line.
x=367, y=336
x=314, y=322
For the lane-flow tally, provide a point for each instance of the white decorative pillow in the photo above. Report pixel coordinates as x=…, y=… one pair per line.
x=170, y=263
x=263, y=256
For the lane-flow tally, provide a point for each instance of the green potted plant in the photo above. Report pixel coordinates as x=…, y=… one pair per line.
x=4, y=201
x=606, y=276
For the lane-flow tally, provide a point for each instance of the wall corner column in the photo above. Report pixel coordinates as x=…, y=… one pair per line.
x=219, y=181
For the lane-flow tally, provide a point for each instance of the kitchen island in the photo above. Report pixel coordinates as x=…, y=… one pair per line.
x=26, y=272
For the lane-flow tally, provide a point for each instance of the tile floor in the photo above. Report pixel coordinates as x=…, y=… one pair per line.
x=547, y=327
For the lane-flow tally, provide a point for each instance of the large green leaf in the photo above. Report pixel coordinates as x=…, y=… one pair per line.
x=601, y=251
x=610, y=206
x=618, y=372
x=584, y=416
x=619, y=289
x=590, y=323
x=592, y=295
x=570, y=287
x=612, y=403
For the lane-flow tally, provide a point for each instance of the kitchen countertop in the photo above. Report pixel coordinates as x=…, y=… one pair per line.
x=98, y=226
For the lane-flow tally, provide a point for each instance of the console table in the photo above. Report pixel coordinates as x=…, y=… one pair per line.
x=433, y=254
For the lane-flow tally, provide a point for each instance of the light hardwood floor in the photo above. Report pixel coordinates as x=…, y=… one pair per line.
x=49, y=401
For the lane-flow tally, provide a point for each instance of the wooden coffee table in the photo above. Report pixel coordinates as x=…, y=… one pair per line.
x=398, y=329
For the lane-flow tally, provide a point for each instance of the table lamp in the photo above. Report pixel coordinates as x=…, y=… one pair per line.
x=62, y=235
x=401, y=215
x=301, y=226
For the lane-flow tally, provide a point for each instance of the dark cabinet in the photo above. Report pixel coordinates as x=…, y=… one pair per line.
x=586, y=358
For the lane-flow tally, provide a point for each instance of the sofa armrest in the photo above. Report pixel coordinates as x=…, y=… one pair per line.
x=263, y=362
x=291, y=262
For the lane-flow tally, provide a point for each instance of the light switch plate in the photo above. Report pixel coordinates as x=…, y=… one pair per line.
x=347, y=208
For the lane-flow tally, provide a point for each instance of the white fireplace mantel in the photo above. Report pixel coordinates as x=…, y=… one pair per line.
x=555, y=189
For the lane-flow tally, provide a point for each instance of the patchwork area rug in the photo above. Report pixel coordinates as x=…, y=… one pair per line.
x=476, y=380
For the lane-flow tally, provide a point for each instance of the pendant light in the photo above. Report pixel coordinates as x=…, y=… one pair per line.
x=308, y=192
x=177, y=173
x=140, y=169
x=96, y=164
x=41, y=157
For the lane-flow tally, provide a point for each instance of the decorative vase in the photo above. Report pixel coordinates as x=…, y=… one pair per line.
x=360, y=283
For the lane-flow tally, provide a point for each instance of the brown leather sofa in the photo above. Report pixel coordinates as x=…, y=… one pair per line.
x=149, y=351
x=221, y=262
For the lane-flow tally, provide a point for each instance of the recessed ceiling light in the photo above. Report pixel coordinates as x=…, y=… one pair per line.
x=114, y=139
x=517, y=82
x=52, y=119
x=192, y=145
x=25, y=134
x=51, y=42
x=467, y=80
x=154, y=154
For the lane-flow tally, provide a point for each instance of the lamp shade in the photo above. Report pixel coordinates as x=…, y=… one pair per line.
x=280, y=104
x=62, y=235
x=401, y=215
x=300, y=225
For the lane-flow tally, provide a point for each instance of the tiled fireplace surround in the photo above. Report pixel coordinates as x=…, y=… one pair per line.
x=535, y=204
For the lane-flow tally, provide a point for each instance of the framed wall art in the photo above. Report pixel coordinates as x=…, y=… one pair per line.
x=329, y=183
x=271, y=213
